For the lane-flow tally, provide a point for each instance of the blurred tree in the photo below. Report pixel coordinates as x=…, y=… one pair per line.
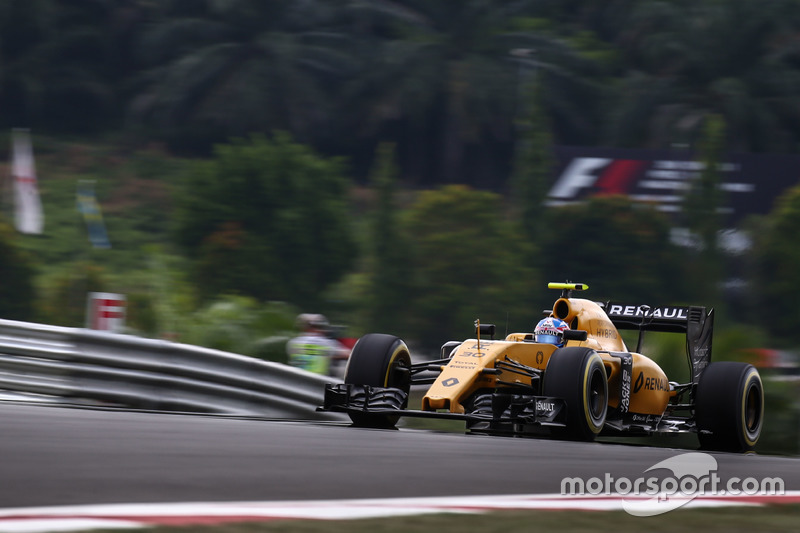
x=701, y=211
x=219, y=69
x=621, y=249
x=533, y=164
x=140, y=315
x=64, y=63
x=777, y=284
x=266, y=218
x=390, y=271
x=17, y=297
x=467, y=262
x=440, y=79
x=241, y=325
x=685, y=60
x=65, y=303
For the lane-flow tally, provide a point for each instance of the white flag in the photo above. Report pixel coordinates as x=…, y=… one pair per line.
x=28, y=215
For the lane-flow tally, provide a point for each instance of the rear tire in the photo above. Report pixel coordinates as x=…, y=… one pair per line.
x=577, y=375
x=729, y=407
x=379, y=360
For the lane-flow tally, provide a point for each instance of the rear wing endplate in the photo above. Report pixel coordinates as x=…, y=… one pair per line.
x=695, y=322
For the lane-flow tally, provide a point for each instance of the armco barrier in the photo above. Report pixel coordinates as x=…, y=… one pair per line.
x=94, y=367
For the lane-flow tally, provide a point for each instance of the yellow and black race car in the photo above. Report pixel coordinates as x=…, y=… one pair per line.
x=576, y=381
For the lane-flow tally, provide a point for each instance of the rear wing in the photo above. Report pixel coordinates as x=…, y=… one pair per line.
x=695, y=322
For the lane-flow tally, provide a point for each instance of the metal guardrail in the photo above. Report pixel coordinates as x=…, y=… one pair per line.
x=99, y=368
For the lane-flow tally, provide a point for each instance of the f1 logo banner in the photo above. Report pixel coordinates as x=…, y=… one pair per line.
x=749, y=182
x=106, y=311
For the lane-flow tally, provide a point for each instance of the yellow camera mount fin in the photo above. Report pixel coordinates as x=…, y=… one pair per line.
x=567, y=288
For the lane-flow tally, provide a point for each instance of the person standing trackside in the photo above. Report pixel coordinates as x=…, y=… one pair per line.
x=312, y=350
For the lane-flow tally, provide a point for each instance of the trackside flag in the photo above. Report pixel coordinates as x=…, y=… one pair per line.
x=28, y=217
x=90, y=209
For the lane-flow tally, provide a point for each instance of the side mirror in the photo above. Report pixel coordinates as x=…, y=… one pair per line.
x=576, y=335
x=486, y=329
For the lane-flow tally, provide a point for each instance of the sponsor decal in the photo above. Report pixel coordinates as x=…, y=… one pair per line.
x=472, y=354
x=657, y=384
x=539, y=358
x=639, y=382
x=661, y=178
x=642, y=311
x=464, y=366
x=545, y=406
x=648, y=419
x=480, y=346
x=624, y=402
x=449, y=382
x=605, y=333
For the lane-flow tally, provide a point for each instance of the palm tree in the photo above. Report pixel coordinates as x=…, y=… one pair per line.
x=218, y=69
x=690, y=60
x=441, y=81
x=63, y=64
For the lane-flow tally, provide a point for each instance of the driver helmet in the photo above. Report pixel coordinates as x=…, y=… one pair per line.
x=551, y=331
x=307, y=321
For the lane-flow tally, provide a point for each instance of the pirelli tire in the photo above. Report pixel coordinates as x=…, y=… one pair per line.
x=729, y=407
x=378, y=360
x=577, y=375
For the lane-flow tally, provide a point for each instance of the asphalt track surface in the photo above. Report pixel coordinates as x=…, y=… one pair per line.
x=63, y=456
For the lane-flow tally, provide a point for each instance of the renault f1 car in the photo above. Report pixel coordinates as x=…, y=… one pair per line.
x=592, y=385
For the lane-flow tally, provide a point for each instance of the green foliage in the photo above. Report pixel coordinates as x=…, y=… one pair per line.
x=701, y=211
x=669, y=351
x=781, y=433
x=621, y=249
x=67, y=290
x=17, y=301
x=64, y=63
x=440, y=77
x=686, y=60
x=437, y=78
x=133, y=189
x=266, y=218
x=533, y=162
x=141, y=316
x=705, y=196
x=390, y=278
x=222, y=69
x=778, y=268
x=241, y=325
x=467, y=265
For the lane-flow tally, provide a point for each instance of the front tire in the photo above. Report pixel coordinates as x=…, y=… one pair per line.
x=378, y=360
x=729, y=407
x=577, y=375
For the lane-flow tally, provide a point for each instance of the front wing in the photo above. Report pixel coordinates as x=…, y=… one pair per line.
x=491, y=411
x=496, y=412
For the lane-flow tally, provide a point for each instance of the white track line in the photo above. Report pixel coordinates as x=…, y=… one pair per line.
x=126, y=516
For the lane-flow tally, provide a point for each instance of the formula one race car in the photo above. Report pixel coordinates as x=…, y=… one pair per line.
x=591, y=385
